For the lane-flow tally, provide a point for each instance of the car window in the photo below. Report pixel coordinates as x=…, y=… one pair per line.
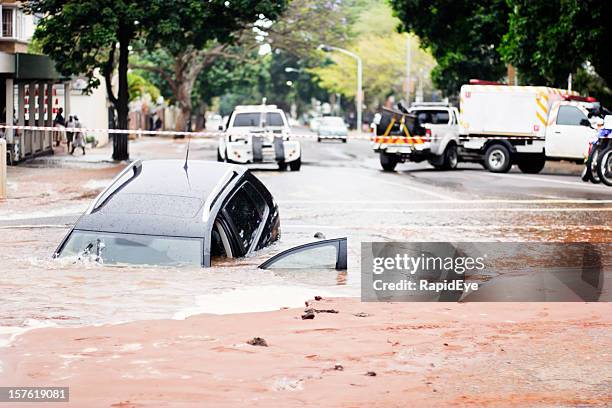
x=245, y=210
x=274, y=119
x=439, y=117
x=570, y=115
x=253, y=119
x=317, y=257
x=332, y=121
x=247, y=119
x=113, y=248
x=329, y=254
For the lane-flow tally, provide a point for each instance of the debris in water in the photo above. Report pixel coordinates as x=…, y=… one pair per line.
x=308, y=315
x=311, y=310
x=257, y=341
x=361, y=314
x=319, y=235
x=326, y=311
x=371, y=373
x=338, y=367
x=318, y=298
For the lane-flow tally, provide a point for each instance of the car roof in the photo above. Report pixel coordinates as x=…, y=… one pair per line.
x=255, y=108
x=161, y=197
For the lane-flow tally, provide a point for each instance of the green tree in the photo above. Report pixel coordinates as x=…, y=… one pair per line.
x=179, y=55
x=547, y=41
x=463, y=36
x=383, y=52
x=82, y=36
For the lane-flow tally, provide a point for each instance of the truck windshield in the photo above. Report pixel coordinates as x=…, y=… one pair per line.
x=440, y=117
x=112, y=248
x=253, y=119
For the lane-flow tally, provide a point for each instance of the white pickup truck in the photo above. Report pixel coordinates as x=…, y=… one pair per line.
x=259, y=134
x=400, y=136
x=503, y=125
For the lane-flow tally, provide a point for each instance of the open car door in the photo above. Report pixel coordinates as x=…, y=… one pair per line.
x=327, y=254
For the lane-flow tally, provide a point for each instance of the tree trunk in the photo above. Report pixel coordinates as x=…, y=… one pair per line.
x=120, y=141
x=187, y=67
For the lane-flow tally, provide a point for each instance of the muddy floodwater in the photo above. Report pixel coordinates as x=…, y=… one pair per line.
x=40, y=291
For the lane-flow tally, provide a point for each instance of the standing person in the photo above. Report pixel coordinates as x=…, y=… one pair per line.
x=59, y=121
x=79, y=137
x=69, y=134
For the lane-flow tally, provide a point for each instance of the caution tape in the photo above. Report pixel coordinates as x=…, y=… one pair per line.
x=201, y=134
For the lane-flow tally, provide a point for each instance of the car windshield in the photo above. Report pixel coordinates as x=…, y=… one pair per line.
x=253, y=119
x=112, y=248
x=332, y=122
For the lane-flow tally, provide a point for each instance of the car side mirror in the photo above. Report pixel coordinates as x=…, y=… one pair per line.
x=220, y=127
x=585, y=122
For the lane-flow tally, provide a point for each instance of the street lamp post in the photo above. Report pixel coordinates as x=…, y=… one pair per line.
x=359, y=98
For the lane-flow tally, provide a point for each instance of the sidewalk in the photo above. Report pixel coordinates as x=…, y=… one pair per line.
x=144, y=148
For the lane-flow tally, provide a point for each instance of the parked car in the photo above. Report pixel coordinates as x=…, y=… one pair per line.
x=332, y=127
x=166, y=212
x=259, y=134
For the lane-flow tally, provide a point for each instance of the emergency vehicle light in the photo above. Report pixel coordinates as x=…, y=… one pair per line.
x=481, y=82
x=579, y=98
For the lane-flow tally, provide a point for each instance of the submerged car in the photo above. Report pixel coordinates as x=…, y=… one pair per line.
x=259, y=134
x=170, y=212
x=332, y=127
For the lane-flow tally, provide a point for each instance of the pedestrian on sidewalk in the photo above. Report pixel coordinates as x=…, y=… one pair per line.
x=69, y=134
x=59, y=121
x=79, y=137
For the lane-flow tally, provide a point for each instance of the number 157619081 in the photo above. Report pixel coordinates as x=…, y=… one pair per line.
x=34, y=394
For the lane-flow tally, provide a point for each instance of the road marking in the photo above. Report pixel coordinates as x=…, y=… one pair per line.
x=29, y=226
x=409, y=187
x=408, y=202
x=436, y=227
x=481, y=209
x=548, y=180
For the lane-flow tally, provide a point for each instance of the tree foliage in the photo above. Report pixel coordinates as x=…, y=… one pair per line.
x=544, y=40
x=462, y=35
x=383, y=52
x=547, y=41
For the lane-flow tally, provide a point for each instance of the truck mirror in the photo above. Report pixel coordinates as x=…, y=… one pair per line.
x=220, y=127
x=585, y=122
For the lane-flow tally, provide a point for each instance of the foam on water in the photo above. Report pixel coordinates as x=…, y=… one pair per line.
x=259, y=299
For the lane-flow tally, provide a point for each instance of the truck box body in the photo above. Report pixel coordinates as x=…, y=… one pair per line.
x=500, y=110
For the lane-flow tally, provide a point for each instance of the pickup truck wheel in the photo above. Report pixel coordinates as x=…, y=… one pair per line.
x=532, y=166
x=451, y=157
x=388, y=161
x=604, y=166
x=296, y=164
x=497, y=159
x=282, y=166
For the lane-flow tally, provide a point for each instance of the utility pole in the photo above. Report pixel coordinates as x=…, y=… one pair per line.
x=359, y=97
x=408, y=67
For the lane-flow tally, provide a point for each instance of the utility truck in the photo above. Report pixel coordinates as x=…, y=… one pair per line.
x=502, y=125
x=400, y=135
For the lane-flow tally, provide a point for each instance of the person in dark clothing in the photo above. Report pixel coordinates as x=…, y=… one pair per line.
x=59, y=121
x=59, y=118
